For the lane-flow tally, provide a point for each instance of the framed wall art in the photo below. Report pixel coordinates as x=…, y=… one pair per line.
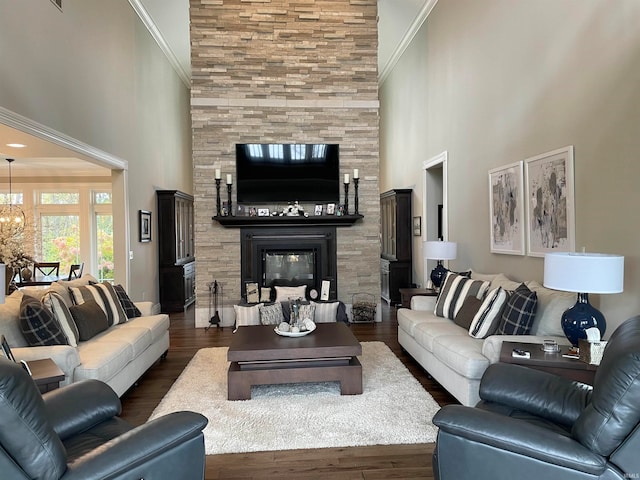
x=506, y=209
x=145, y=225
x=550, y=202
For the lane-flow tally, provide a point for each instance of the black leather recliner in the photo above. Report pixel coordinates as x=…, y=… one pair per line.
x=75, y=433
x=534, y=425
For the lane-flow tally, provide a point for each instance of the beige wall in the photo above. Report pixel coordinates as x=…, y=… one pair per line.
x=93, y=72
x=284, y=72
x=498, y=81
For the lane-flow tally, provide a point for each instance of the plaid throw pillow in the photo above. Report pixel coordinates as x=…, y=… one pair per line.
x=453, y=292
x=128, y=306
x=519, y=312
x=38, y=324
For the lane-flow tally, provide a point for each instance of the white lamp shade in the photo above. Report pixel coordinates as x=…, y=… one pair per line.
x=434, y=250
x=584, y=272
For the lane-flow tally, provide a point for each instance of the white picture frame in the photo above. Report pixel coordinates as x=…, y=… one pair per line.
x=506, y=209
x=324, y=291
x=550, y=193
x=318, y=209
x=331, y=208
x=263, y=212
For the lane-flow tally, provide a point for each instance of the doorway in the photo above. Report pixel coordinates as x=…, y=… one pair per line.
x=435, y=205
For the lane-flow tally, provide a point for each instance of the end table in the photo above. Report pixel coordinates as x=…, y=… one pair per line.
x=570, y=368
x=407, y=293
x=46, y=374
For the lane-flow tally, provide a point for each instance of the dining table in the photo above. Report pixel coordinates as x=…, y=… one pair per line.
x=40, y=281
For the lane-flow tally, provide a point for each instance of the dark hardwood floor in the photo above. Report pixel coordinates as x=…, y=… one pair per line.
x=370, y=463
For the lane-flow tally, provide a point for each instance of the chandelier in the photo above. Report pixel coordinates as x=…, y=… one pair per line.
x=11, y=216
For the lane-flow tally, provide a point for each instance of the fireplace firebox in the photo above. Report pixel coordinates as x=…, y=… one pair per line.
x=289, y=256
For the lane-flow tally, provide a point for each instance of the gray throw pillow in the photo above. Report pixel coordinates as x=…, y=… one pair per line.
x=90, y=319
x=469, y=308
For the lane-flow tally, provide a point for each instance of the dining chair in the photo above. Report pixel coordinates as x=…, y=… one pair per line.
x=46, y=268
x=75, y=271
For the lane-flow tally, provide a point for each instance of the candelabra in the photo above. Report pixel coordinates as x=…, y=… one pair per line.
x=355, y=199
x=229, y=205
x=346, y=199
x=218, y=210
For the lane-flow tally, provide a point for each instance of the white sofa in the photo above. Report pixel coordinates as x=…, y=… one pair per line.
x=117, y=356
x=457, y=360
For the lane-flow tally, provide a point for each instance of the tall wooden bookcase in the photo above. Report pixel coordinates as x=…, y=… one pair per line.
x=176, y=250
x=396, y=253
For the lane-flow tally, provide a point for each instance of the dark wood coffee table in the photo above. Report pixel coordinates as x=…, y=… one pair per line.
x=259, y=356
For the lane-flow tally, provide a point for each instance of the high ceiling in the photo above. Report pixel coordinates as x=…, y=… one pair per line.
x=168, y=23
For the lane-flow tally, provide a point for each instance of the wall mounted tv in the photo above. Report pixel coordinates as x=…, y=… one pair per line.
x=276, y=172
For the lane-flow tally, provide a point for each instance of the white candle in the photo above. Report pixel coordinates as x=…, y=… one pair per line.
x=356, y=174
x=346, y=178
x=229, y=181
x=218, y=174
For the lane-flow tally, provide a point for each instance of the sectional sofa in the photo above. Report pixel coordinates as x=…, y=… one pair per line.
x=458, y=360
x=118, y=355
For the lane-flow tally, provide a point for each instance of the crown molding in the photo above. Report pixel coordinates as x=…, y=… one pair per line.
x=26, y=125
x=406, y=40
x=149, y=23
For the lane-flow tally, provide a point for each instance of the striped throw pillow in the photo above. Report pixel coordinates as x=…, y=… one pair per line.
x=453, y=292
x=105, y=296
x=486, y=320
x=56, y=304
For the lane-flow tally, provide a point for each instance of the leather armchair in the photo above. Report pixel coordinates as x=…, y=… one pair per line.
x=534, y=425
x=75, y=433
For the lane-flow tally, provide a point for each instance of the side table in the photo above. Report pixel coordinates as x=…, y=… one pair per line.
x=46, y=374
x=407, y=293
x=570, y=368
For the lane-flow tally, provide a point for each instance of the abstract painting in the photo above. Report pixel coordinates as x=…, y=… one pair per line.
x=550, y=202
x=506, y=209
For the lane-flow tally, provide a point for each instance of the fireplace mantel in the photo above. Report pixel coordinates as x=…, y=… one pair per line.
x=294, y=221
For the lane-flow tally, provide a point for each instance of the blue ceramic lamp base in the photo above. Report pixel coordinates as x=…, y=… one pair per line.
x=438, y=274
x=580, y=317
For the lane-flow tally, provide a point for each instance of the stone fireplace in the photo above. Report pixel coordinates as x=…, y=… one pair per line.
x=277, y=71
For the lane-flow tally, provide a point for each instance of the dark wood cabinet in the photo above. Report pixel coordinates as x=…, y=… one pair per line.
x=396, y=237
x=176, y=250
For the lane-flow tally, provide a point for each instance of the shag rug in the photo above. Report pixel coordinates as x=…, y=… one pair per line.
x=393, y=408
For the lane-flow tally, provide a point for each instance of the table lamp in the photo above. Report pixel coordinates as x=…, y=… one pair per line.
x=438, y=250
x=583, y=273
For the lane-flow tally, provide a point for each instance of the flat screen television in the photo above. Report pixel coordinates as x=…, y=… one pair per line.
x=277, y=172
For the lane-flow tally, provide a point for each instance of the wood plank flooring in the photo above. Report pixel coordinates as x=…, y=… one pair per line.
x=364, y=463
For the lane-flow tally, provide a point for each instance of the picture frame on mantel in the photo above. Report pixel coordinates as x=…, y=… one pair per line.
x=549, y=181
x=145, y=225
x=506, y=209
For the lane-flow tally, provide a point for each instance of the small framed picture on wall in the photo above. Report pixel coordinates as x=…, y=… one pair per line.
x=145, y=225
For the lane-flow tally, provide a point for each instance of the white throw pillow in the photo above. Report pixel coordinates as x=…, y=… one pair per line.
x=486, y=320
x=283, y=294
x=551, y=306
x=325, y=312
x=247, y=315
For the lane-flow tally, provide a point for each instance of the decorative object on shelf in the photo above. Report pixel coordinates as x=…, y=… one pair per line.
x=583, y=273
x=439, y=250
x=218, y=178
x=506, y=209
x=331, y=208
x=356, y=180
x=346, y=194
x=229, y=203
x=145, y=225
x=263, y=212
x=551, y=205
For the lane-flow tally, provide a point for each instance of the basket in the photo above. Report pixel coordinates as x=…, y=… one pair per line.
x=363, y=307
x=591, y=352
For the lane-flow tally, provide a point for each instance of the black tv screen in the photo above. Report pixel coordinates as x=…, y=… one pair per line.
x=276, y=172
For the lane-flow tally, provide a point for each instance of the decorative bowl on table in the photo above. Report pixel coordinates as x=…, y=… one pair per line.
x=308, y=327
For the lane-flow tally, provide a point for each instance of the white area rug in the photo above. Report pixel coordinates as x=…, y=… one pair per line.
x=393, y=409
